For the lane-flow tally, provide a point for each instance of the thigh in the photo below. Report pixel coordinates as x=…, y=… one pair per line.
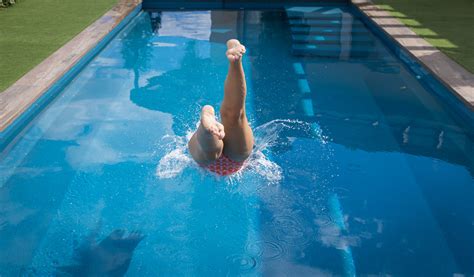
x=238, y=140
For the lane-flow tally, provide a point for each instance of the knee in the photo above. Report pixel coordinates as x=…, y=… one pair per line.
x=232, y=115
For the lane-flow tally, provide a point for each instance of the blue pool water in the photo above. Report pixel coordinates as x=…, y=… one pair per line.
x=359, y=168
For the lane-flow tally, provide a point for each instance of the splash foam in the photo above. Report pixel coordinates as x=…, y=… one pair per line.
x=266, y=136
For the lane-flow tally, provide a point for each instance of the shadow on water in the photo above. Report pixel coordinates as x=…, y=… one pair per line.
x=167, y=90
x=109, y=257
x=369, y=107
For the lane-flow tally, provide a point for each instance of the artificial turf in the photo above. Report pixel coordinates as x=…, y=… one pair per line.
x=447, y=25
x=31, y=30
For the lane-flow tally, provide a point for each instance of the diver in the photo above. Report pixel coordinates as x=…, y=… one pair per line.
x=223, y=147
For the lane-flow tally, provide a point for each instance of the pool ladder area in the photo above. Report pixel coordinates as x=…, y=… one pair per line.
x=328, y=32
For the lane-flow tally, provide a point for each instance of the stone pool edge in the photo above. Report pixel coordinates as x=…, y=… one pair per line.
x=452, y=75
x=17, y=99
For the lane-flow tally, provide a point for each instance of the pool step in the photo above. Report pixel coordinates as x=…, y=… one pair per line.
x=324, y=39
x=333, y=35
x=317, y=16
x=326, y=22
x=316, y=11
x=328, y=32
x=331, y=50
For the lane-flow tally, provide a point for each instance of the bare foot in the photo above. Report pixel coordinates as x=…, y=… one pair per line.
x=235, y=50
x=210, y=124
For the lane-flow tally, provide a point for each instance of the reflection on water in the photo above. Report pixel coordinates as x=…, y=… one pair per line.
x=358, y=168
x=155, y=20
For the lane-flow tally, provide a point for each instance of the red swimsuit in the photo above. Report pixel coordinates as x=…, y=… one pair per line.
x=224, y=166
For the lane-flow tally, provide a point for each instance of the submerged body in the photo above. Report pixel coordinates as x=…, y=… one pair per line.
x=223, y=147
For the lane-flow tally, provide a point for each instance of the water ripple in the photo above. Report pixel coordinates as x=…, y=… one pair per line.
x=243, y=262
x=290, y=230
x=265, y=250
x=179, y=232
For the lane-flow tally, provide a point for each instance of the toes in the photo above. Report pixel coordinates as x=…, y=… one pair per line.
x=236, y=53
x=208, y=109
x=220, y=127
x=221, y=134
x=215, y=130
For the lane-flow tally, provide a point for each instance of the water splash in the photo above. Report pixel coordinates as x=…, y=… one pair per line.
x=176, y=160
x=267, y=135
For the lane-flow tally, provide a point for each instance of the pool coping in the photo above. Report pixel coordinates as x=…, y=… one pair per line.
x=452, y=75
x=18, y=99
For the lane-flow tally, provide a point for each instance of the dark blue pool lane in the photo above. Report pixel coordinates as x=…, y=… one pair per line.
x=360, y=169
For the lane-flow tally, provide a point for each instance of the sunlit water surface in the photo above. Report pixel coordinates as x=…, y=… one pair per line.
x=358, y=169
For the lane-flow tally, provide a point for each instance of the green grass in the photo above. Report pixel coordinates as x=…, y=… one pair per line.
x=31, y=30
x=446, y=24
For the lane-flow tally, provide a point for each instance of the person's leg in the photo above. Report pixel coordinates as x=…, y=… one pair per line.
x=206, y=143
x=238, y=142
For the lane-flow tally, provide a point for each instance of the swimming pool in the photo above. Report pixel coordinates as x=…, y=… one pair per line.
x=359, y=167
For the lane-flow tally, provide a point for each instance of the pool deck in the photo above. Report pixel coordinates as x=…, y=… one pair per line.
x=453, y=76
x=22, y=94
